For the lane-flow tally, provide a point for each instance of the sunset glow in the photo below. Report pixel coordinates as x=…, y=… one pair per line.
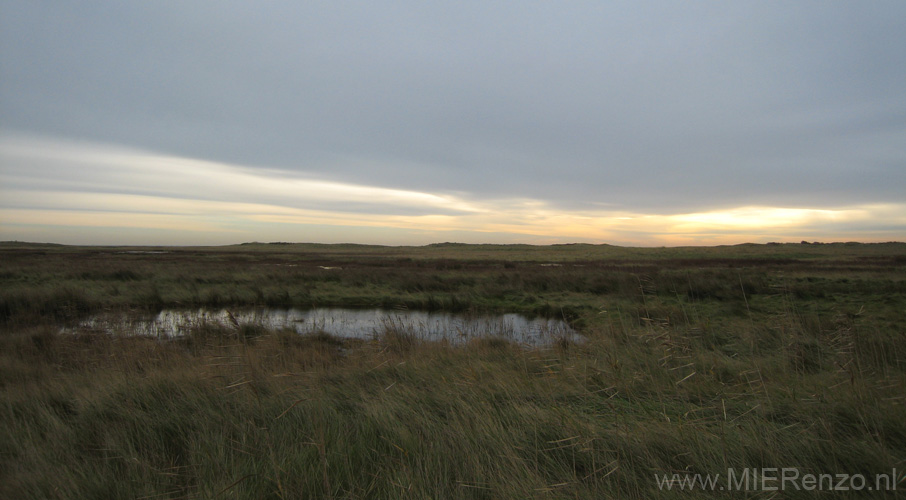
x=218, y=203
x=411, y=124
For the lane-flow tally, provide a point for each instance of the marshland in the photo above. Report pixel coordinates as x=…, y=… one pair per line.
x=676, y=360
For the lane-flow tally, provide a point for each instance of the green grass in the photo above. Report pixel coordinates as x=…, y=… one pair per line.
x=697, y=360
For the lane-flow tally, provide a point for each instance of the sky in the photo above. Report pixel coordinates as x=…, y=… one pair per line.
x=642, y=123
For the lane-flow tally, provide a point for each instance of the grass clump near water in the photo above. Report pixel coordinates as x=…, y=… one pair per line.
x=688, y=367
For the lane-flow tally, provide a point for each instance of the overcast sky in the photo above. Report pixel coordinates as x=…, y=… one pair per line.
x=638, y=123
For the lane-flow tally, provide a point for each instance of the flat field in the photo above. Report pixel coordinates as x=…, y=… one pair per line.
x=702, y=360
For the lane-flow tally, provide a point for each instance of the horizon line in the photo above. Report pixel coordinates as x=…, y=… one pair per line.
x=449, y=243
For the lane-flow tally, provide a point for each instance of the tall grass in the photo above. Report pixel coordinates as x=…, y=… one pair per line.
x=684, y=370
x=288, y=416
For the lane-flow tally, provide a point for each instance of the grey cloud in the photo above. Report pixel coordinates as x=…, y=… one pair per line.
x=651, y=106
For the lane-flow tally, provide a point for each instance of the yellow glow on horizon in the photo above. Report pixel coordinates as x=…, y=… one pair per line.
x=187, y=195
x=719, y=227
x=760, y=218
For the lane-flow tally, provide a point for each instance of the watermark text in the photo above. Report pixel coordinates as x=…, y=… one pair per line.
x=779, y=479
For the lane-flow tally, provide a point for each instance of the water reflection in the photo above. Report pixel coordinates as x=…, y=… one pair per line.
x=353, y=323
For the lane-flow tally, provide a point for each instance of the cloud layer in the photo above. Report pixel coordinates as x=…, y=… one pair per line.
x=633, y=122
x=95, y=189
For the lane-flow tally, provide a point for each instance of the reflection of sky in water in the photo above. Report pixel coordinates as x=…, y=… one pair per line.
x=358, y=323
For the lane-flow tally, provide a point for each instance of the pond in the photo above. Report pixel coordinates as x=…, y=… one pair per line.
x=341, y=322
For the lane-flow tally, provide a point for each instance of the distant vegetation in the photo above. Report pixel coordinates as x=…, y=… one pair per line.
x=697, y=360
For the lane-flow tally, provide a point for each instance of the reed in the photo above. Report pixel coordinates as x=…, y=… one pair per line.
x=686, y=367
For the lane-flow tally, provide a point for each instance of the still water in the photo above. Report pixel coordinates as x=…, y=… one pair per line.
x=352, y=323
